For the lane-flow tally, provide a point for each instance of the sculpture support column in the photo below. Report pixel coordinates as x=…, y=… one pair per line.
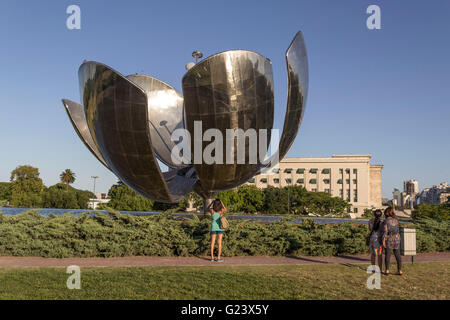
x=206, y=203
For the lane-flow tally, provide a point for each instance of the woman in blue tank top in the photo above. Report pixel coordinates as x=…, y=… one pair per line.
x=217, y=211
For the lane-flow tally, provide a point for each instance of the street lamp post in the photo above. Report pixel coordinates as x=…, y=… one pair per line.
x=289, y=204
x=289, y=191
x=93, y=201
x=197, y=54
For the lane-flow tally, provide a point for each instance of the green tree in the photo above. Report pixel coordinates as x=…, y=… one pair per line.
x=276, y=200
x=428, y=210
x=368, y=213
x=231, y=199
x=123, y=198
x=26, y=187
x=197, y=201
x=62, y=196
x=303, y=202
x=322, y=203
x=252, y=199
x=67, y=177
x=298, y=200
x=5, y=191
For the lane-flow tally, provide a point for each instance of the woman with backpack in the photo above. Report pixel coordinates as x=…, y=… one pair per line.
x=391, y=240
x=217, y=227
x=374, y=238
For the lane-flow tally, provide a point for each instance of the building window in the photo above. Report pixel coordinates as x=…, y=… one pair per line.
x=348, y=195
x=327, y=190
x=287, y=170
x=313, y=171
x=354, y=181
x=251, y=180
x=263, y=180
x=339, y=181
x=355, y=171
x=347, y=181
x=314, y=190
x=276, y=180
x=288, y=181
x=300, y=181
x=356, y=210
x=347, y=170
x=300, y=171
x=341, y=171
x=326, y=181
x=276, y=170
x=355, y=195
x=341, y=193
x=313, y=181
x=326, y=171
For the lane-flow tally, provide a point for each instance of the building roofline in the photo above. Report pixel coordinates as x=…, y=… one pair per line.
x=334, y=158
x=351, y=156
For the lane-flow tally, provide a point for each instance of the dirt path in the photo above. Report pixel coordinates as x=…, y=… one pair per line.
x=201, y=261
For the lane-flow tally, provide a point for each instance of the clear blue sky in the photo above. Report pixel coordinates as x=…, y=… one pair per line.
x=383, y=92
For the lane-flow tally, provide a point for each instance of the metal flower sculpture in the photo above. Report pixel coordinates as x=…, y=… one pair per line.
x=127, y=121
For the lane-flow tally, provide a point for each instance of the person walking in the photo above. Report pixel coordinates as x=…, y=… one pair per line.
x=217, y=210
x=375, y=238
x=391, y=239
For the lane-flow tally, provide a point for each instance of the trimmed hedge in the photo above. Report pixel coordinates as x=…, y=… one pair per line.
x=115, y=235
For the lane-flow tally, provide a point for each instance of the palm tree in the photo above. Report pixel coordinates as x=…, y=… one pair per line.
x=67, y=177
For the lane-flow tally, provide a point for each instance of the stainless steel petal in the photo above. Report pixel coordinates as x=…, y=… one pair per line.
x=229, y=90
x=297, y=68
x=117, y=116
x=180, y=182
x=165, y=112
x=76, y=115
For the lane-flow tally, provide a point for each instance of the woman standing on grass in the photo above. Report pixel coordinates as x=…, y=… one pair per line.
x=217, y=211
x=375, y=238
x=391, y=239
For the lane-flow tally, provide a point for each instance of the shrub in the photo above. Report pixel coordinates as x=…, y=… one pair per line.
x=427, y=210
x=115, y=235
x=432, y=235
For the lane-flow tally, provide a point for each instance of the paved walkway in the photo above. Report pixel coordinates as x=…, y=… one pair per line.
x=201, y=261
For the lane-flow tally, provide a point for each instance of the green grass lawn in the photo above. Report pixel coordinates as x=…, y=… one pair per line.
x=429, y=280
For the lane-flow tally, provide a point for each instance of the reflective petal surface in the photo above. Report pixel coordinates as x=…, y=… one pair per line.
x=116, y=112
x=76, y=115
x=229, y=90
x=165, y=112
x=127, y=122
x=297, y=68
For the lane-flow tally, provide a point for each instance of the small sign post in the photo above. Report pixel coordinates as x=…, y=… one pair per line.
x=408, y=242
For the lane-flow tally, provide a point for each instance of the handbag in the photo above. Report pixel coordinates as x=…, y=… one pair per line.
x=224, y=222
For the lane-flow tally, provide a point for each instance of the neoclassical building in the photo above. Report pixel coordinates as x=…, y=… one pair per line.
x=350, y=177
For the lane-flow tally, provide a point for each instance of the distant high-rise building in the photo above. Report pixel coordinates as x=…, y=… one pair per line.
x=436, y=195
x=410, y=191
x=411, y=187
x=396, y=197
